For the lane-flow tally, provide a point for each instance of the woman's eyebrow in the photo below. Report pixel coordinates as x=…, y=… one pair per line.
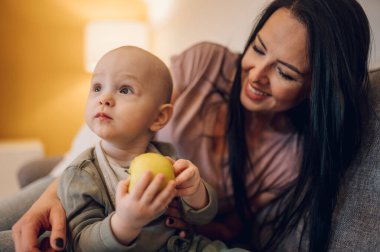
x=261, y=41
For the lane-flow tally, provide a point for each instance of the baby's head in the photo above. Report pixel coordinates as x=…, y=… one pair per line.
x=129, y=96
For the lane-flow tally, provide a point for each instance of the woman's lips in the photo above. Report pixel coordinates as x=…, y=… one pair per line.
x=254, y=93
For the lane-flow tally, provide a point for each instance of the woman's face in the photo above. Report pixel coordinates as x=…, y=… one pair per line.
x=275, y=69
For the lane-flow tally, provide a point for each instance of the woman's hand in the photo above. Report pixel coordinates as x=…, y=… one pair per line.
x=225, y=228
x=174, y=220
x=45, y=214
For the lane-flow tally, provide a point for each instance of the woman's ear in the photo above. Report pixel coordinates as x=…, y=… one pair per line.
x=162, y=118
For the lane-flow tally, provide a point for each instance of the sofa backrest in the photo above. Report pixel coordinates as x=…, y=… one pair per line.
x=357, y=216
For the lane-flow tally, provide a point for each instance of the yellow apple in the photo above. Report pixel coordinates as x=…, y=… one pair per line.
x=154, y=162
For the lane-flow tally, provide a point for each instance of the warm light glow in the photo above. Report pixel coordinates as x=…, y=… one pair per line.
x=105, y=35
x=159, y=11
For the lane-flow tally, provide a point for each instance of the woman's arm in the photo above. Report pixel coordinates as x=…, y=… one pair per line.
x=45, y=214
x=226, y=228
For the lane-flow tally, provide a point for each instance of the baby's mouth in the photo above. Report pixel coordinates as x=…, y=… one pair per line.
x=102, y=115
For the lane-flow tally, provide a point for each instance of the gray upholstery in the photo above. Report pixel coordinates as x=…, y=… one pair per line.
x=357, y=217
x=36, y=169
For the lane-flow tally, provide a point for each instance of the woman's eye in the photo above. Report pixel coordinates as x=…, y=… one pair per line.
x=257, y=50
x=126, y=90
x=284, y=75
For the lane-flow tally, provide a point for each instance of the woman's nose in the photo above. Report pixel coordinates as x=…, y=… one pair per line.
x=259, y=73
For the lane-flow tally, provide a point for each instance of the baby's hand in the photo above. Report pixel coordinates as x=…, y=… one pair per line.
x=189, y=184
x=187, y=178
x=140, y=206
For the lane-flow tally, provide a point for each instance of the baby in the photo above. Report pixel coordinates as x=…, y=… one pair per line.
x=129, y=101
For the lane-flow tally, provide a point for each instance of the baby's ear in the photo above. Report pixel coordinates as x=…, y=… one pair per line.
x=163, y=117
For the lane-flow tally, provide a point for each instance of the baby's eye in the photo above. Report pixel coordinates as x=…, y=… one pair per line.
x=126, y=90
x=97, y=88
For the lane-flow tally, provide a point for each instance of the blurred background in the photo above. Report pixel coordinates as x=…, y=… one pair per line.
x=48, y=47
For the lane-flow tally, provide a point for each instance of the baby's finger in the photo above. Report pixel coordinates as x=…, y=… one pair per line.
x=184, y=176
x=165, y=196
x=153, y=189
x=141, y=185
x=180, y=165
x=122, y=187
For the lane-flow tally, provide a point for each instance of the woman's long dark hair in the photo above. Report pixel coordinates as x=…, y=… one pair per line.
x=329, y=121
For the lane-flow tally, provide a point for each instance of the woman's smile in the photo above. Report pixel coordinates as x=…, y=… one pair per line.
x=254, y=93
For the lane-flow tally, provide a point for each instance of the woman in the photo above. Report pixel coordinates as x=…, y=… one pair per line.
x=273, y=130
x=298, y=93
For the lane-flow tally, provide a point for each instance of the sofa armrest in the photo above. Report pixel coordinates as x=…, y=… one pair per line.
x=36, y=169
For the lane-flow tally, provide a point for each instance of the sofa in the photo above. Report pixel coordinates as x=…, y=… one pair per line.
x=356, y=219
x=356, y=224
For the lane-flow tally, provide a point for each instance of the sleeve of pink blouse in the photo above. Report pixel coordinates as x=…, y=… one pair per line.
x=196, y=72
x=191, y=64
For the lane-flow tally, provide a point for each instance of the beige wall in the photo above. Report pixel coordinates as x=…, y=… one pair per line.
x=227, y=22
x=191, y=21
x=372, y=9
x=43, y=84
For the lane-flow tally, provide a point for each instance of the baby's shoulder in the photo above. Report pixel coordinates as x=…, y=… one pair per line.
x=84, y=165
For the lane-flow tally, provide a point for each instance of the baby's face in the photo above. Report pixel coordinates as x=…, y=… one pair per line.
x=124, y=99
